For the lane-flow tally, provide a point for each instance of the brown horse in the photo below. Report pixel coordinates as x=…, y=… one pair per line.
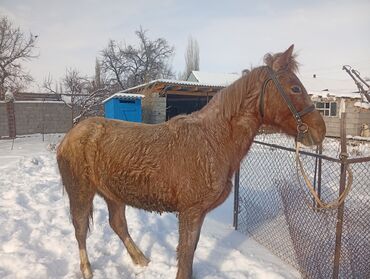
x=184, y=165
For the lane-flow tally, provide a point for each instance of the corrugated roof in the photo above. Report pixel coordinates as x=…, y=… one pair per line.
x=124, y=96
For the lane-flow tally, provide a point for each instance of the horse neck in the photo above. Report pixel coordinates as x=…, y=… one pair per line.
x=233, y=117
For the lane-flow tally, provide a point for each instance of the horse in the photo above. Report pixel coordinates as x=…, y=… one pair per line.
x=184, y=165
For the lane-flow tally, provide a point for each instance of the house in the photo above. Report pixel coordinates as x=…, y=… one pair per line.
x=334, y=96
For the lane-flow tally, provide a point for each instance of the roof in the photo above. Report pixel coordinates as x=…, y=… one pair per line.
x=124, y=96
x=173, y=82
x=28, y=96
x=176, y=87
x=362, y=105
x=329, y=87
x=220, y=79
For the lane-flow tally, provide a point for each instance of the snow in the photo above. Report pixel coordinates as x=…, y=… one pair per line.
x=37, y=237
x=126, y=96
x=324, y=86
x=362, y=105
x=9, y=96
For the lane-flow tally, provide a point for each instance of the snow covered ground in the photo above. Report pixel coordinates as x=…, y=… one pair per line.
x=37, y=238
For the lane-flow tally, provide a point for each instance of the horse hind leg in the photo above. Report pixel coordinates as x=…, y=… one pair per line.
x=81, y=206
x=117, y=221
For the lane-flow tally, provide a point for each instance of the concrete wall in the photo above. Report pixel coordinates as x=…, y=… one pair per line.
x=36, y=117
x=153, y=108
x=355, y=118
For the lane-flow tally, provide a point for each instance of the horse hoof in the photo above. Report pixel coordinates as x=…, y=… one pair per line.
x=86, y=272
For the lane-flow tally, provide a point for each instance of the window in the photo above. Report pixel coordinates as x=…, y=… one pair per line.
x=327, y=108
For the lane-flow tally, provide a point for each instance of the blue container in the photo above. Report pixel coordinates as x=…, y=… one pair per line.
x=124, y=107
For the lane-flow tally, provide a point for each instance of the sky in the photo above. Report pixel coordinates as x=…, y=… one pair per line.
x=232, y=35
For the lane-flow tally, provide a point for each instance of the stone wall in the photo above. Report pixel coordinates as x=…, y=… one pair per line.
x=37, y=117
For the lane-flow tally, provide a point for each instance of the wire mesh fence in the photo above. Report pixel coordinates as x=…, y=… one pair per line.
x=273, y=205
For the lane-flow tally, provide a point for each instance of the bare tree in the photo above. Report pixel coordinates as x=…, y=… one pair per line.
x=15, y=47
x=80, y=94
x=127, y=65
x=191, y=58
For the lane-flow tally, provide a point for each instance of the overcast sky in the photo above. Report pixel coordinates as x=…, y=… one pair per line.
x=232, y=35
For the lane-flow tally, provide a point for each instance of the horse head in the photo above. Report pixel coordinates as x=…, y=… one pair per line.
x=284, y=102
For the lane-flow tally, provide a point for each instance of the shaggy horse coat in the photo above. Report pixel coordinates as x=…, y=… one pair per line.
x=184, y=165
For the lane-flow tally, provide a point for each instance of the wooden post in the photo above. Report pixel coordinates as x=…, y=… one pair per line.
x=339, y=227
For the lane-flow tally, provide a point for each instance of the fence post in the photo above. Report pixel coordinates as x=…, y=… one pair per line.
x=319, y=175
x=339, y=226
x=236, y=198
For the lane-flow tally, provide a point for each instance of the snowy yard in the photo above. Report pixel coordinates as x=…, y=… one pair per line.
x=37, y=237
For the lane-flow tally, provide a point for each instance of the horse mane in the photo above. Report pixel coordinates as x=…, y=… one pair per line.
x=246, y=89
x=232, y=97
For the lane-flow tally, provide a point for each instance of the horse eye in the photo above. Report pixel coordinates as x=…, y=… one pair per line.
x=296, y=89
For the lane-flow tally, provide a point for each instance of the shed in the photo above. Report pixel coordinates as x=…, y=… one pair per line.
x=165, y=99
x=123, y=106
x=168, y=98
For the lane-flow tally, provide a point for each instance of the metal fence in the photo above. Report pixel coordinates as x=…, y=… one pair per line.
x=273, y=205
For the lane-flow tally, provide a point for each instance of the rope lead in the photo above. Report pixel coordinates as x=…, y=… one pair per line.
x=321, y=204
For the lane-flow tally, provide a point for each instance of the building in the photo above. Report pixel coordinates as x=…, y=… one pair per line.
x=333, y=97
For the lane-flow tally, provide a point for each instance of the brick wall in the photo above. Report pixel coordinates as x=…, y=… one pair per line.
x=37, y=117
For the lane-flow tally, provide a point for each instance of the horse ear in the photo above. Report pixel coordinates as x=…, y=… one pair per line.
x=285, y=60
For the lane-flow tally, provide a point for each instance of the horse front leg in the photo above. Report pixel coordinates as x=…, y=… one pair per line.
x=117, y=220
x=190, y=224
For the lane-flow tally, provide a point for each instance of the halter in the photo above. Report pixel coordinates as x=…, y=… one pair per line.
x=302, y=127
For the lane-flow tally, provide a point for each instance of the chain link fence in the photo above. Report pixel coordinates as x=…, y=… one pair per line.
x=273, y=205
